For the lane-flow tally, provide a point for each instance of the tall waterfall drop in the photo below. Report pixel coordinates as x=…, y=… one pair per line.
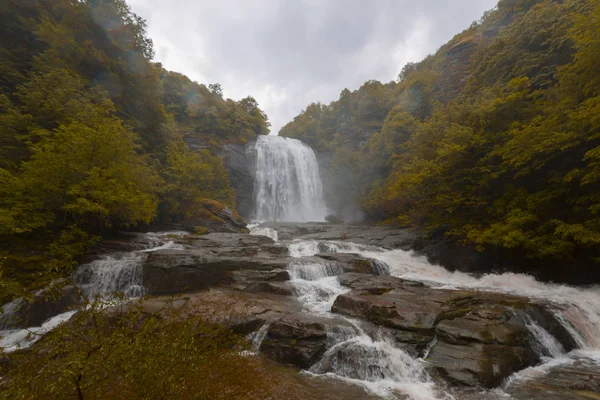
x=288, y=185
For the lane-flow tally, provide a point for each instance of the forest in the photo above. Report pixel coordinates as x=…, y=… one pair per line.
x=494, y=140
x=93, y=135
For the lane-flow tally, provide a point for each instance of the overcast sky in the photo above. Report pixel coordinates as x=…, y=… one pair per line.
x=289, y=53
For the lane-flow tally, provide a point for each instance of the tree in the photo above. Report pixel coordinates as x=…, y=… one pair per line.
x=216, y=89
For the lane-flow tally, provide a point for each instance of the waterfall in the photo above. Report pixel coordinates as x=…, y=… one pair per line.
x=288, y=184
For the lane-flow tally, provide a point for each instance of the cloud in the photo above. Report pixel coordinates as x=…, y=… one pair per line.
x=289, y=53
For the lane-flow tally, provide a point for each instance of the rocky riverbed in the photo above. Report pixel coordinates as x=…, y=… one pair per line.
x=332, y=300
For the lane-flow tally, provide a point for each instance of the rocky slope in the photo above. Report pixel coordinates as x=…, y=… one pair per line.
x=466, y=337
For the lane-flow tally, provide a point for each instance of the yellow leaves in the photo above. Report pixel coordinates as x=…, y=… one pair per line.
x=578, y=233
x=191, y=177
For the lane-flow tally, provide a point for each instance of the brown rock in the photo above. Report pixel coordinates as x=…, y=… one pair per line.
x=298, y=339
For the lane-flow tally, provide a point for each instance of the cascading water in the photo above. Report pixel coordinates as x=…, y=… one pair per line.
x=369, y=359
x=121, y=272
x=288, y=184
x=372, y=361
x=545, y=344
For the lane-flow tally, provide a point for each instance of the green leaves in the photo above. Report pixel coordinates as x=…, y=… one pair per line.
x=496, y=137
x=130, y=353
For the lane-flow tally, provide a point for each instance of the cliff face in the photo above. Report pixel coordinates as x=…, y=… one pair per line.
x=240, y=162
x=455, y=71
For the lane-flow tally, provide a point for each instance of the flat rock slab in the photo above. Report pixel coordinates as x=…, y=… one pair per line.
x=386, y=237
x=243, y=312
x=577, y=381
x=180, y=271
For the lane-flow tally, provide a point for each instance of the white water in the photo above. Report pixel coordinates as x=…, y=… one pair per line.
x=111, y=274
x=23, y=338
x=288, y=184
x=545, y=344
x=373, y=362
x=259, y=231
x=370, y=360
x=121, y=272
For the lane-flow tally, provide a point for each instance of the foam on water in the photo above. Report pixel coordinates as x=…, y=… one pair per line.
x=377, y=365
x=261, y=231
x=370, y=360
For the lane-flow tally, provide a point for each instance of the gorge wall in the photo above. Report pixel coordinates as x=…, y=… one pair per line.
x=240, y=163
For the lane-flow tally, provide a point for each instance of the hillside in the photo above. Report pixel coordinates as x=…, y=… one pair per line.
x=93, y=135
x=493, y=141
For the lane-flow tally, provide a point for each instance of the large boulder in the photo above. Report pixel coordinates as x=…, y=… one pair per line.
x=179, y=271
x=477, y=364
x=357, y=263
x=299, y=340
x=212, y=260
x=467, y=338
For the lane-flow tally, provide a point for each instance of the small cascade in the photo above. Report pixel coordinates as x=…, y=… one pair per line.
x=256, y=230
x=288, y=183
x=7, y=312
x=376, y=364
x=114, y=273
x=121, y=272
x=111, y=274
x=22, y=338
x=316, y=284
x=545, y=344
x=304, y=248
x=368, y=359
x=382, y=268
x=256, y=338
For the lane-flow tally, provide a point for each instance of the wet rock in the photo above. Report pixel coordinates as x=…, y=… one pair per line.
x=375, y=284
x=403, y=309
x=45, y=304
x=179, y=271
x=579, y=380
x=215, y=259
x=226, y=240
x=386, y=237
x=413, y=343
x=356, y=263
x=243, y=312
x=476, y=338
x=298, y=340
x=281, y=288
x=276, y=275
x=477, y=364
